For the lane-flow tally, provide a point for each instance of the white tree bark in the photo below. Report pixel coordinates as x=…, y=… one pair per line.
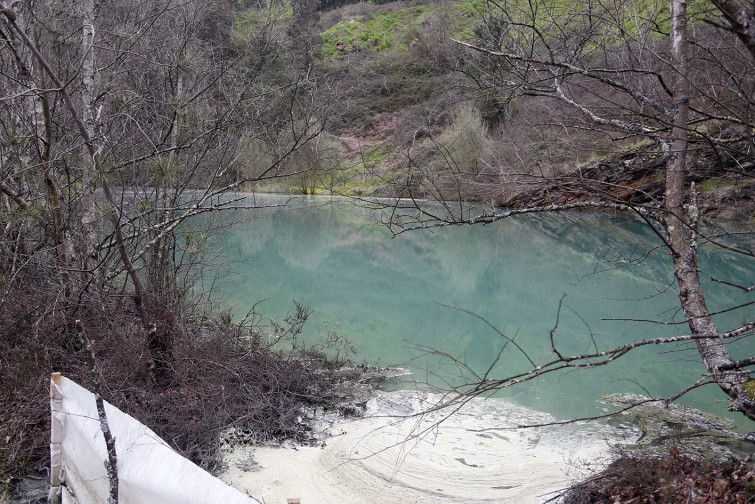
x=88, y=173
x=43, y=126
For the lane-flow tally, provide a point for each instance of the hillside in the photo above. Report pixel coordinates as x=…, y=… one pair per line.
x=128, y=130
x=411, y=110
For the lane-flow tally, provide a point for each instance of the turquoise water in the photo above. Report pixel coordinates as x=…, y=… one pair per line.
x=390, y=296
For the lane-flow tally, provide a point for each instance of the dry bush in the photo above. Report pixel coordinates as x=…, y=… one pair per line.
x=537, y=140
x=224, y=376
x=256, y=157
x=672, y=479
x=316, y=164
x=452, y=162
x=465, y=142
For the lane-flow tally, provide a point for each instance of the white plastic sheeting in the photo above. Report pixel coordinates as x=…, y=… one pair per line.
x=149, y=471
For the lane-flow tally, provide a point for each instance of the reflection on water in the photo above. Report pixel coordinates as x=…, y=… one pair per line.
x=388, y=295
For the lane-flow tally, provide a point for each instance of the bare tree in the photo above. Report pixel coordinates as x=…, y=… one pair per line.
x=636, y=74
x=131, y=141
x=127, y=130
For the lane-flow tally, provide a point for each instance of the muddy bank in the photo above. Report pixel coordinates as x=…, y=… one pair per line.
x=726, y=185
x=391, y=455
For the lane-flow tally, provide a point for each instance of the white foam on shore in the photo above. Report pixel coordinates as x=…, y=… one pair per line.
x=391, y=456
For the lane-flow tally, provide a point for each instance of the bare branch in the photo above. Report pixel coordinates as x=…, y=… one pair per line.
x=596, y=75
x=743, y=288
x=20, y=201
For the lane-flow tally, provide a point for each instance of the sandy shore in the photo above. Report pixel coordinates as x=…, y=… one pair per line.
x=391, y=456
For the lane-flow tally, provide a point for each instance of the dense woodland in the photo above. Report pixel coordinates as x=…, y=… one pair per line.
x=121, y=120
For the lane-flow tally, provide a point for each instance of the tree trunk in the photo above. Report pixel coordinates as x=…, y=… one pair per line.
x=712, y=350
x=93, y=155
x=63, y=245
x=88, y=162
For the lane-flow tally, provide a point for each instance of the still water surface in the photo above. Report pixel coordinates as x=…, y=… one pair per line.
x=390, y=295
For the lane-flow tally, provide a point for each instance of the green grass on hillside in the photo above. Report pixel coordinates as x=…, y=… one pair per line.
x=391, y=29
x=608, y=23
x=379, y=32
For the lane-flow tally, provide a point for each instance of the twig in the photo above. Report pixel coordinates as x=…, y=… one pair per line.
x=745, y=289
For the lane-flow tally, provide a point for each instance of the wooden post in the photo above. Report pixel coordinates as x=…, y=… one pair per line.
x=293, y=501
x=56, y=430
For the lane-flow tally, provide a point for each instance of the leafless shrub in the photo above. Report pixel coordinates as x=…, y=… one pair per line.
x=452, y=161
x=225, y=378
x=672, y=478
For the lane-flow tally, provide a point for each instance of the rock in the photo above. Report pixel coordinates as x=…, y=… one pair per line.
x=692, y=432
x=29, y=491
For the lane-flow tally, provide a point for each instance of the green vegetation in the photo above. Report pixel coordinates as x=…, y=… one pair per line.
x=373, y=158
x=750, y=387
x=712, y=184
x=378, y=32
x=363, y=175
x=463, y=145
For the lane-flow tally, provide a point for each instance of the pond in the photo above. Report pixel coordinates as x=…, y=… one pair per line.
x=458, y=289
